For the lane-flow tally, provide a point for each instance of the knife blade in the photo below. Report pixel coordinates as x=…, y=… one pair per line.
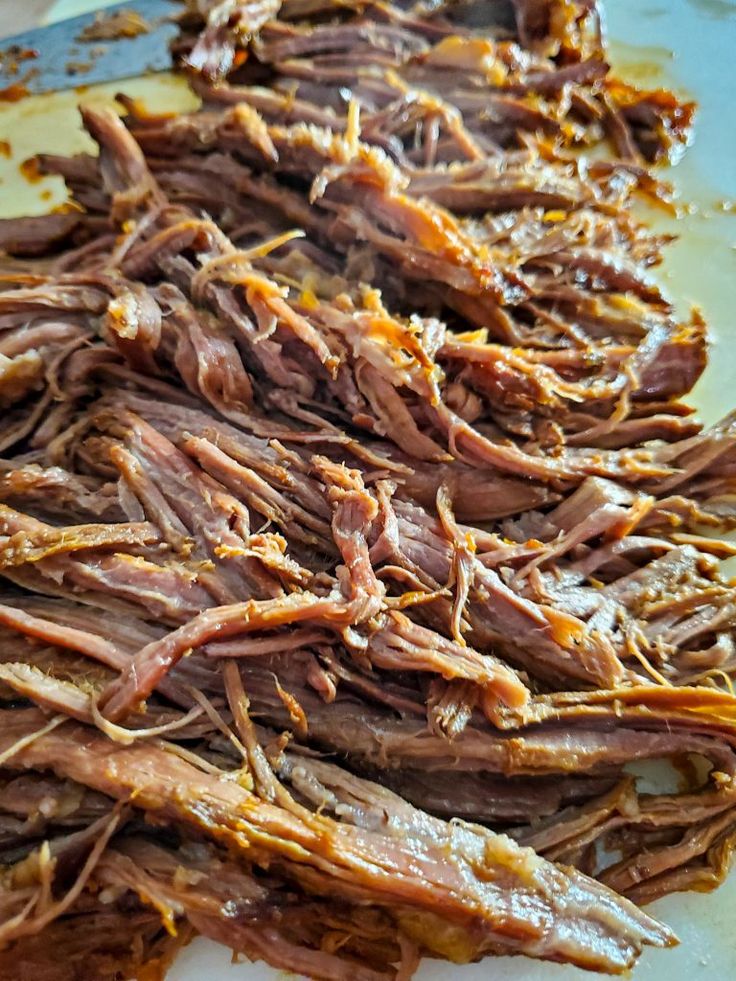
x=58, y=56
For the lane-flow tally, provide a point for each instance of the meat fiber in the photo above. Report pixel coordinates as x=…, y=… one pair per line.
x=355, y=535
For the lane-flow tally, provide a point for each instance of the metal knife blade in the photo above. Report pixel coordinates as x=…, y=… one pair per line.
x=54, y=57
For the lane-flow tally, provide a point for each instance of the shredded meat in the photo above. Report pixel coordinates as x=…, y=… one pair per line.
x=355, y=535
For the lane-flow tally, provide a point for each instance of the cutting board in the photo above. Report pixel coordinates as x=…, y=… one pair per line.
x=685, y=44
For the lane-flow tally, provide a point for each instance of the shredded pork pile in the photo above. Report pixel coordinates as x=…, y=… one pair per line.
x=355, y=539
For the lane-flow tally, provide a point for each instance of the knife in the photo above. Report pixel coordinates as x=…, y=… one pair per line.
x=70, y=52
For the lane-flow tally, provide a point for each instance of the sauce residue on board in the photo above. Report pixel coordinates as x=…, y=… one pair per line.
x=66, y=207
x=641, y=62
x=14, y=92
x=31, y=170
x=11, y=58
x=5, y=148
x=17, y=90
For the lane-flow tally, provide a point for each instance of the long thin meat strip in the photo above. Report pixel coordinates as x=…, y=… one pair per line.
x=495, y=893
x=22, y=539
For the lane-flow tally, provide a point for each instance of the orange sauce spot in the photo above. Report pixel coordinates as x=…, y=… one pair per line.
x=67, y=207
x=31, y=170
x=46, y=195
x=5, y=148
x=139, y=110
x=13, y=93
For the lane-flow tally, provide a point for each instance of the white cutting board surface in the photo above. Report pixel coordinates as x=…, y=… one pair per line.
x=686, y=44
